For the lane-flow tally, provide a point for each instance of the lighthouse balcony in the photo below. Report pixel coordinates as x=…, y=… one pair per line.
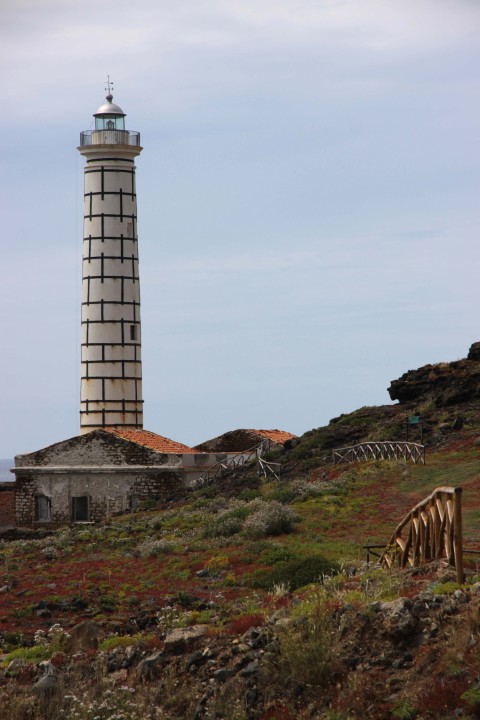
x=110, y=137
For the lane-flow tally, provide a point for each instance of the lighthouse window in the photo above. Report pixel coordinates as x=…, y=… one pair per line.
x=133, y=332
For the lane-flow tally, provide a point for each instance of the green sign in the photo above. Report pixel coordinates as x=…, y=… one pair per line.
x=414, y=420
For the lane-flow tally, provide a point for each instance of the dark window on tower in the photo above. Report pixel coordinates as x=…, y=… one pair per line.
x=80, y=509
x=133, y=332
x=43, y=506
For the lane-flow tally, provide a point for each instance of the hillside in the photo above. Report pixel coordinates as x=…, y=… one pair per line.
x=251, y=599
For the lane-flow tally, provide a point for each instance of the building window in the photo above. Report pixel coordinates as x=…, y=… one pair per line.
x=133, y=332
x=43, y=508
x=80, y=509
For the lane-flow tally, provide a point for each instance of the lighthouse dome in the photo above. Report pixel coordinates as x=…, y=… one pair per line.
x=109, y=108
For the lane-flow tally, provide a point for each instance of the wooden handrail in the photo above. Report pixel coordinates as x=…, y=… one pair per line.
x=380, y=450
x=434, y=531
x=239, y=459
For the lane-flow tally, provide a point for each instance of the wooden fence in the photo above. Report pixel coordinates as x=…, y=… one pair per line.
x=238, y=460
x=385, y=450
x=431, y=530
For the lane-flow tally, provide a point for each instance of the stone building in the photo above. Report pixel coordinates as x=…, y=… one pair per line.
x=90, y=477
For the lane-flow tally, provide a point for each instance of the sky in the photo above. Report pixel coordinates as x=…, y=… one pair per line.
x=308, y=203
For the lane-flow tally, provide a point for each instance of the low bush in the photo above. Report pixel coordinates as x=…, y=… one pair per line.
x=304, y=657
x=269, y=518
x=276, y=554
x=34, y=654
x=225, y=525
x=241, y=624
x=50, y=552
x=153, y=548
x=294, y=573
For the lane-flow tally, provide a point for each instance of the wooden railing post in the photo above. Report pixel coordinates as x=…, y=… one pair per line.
x=458, y=535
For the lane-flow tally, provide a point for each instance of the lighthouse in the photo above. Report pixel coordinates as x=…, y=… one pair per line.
x=111, y=369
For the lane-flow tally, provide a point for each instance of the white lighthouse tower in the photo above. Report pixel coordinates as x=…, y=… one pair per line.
x=111, y=370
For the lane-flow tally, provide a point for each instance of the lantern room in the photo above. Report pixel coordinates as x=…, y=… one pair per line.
x=109, y=116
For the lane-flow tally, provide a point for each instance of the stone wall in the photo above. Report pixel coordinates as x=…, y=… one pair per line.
x=7, y=506
x=109, y=491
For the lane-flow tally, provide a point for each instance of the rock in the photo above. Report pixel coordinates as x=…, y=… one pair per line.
x=44, y=613
x=47, y=667
x=460, y=596
x=474, y=352
x=149, y=668
x=475, y=589
x=115, y=660
x=443, y=383
x=47, y=684
x=198, y=658
x=4, y=589
x=180, y=637
x=220, y=675
x=16, y=665
x=249, y=669
x=398, y=619
x=84, y=636
x=130, y=655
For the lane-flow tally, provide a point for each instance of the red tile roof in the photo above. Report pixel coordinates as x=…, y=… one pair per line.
x=277, y=436
x=151, y=440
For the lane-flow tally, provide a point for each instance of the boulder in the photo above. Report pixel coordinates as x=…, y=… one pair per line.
x=84, y=636
x=398, y=620
x=149, y=668
x=180, y=637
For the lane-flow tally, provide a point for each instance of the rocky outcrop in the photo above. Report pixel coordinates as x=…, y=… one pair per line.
x=444, y=384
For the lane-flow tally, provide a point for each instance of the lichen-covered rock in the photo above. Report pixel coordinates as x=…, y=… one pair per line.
x=180, y=637
x=398, y=621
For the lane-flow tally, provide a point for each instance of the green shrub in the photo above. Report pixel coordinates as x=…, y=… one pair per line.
x=153, y=548
x=405, y=711
x=120, y=641
x=304, y=656
x=282, y=493
x=37, y=653
x=108, y=602
x=269, y=518
x=446, y=588
x=472, y=698
x=294, y=573
x=276, y=554
x=225, y=525
x=250, y=494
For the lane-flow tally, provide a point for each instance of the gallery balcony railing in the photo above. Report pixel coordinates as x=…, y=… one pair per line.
x=110, y=137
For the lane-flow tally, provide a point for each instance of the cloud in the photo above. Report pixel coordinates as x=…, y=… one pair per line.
x=54, y=49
